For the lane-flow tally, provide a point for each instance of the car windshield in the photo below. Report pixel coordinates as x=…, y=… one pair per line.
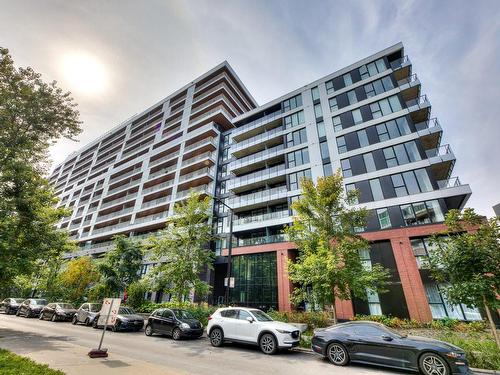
x=261, y=316
x=125, y=310
x=183, y=314
x=65, y=306
x=18, y=300
x=95, y=306
x=40, y=302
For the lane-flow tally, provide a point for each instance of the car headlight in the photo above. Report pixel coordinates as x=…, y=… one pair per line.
x=453, y=355
x=185, y=326
x=283, y=331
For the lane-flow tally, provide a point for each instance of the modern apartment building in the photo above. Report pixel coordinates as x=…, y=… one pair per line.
x=370, y=120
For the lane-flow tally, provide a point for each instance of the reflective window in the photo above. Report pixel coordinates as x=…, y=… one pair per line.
x=441, y=308
x=327, y=169
x=347, y=79
x=333, y=104
x=295, y=178
x=329, y=87
x=337, y=125
x=356, y=115
x=321, y=129
x=351, y=187
x=376, y=189
x=363, y=138
x=346, y=167
x=323, y=146
x=294, y=119
x=383, y=218
x=315, y=93
x=351, y=96
x=296, y=138
x=341, y=145
x=318, y=112
x=292, y=103
x=298, y=157
x=369, y=162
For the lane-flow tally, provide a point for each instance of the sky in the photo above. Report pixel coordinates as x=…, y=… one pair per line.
x=119, y=57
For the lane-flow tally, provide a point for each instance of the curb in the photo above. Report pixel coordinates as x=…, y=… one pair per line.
x=474, y=370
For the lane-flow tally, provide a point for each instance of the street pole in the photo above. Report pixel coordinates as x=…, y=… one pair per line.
x=105, y=325
x=229, y=253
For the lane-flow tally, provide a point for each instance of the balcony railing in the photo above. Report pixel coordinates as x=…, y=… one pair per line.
x=262, y=217
x=156, y=202
x=162, y=160
x=257, y=176
x=399, y=62
x=198, y=189
x=407, y=80
x=162, y=172
x=154, y=217
x=111, y=228
x=122, y=176
x=119, y=200
x=260, y=240
x=114, y=214
x=124, y=186
x=440, y=151
x=259, y=196
x=170, y=132
x=449, y=183
x=137, y=147
x=199, y=143
x=197, y=173
x=210, y=113
x=161, y=186
x=258, y=156
x=257, y=123
x=257, y=139
x=194, y=159
x=420, y=102
x=427, y=124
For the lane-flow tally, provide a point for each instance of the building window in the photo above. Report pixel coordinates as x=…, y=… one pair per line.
x=298, y=157
x=222, y=187
x=325, y=153
x=337, y=124
x=372, y=68
x=372, y=296
x=329, y=87
x=327, y=169
x=318, y=112
x=378, y=87
x=383, y=218
x=411, y=182
x=356, y=115
x=295, y=178
x=315, y=93
x=369, y=162
x=296, y=138
x=333, y=104
x=401, y=154
x=321, y=129
x=385, y=107
x=422, y=213
x=376, y=189
x=363, y=138
x=351, y=187
x=441, y=308
x=351, y=97
x=292, y=103
x=347, y=79
x=346, y=168
x=294, y=119
x=341, y=145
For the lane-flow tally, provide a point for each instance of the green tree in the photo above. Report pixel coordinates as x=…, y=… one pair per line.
x=33, y=115
x=466, y=258
x=182, y=249
x=119, y=268
x=136, y=292
x=76, y=278
x=328, y=265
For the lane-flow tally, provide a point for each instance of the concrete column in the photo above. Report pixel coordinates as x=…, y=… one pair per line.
x=284, y=284
x=413, y=288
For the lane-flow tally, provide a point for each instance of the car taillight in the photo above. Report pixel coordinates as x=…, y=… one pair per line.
x=210, y=317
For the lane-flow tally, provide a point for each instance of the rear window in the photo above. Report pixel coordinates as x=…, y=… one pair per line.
x=125, y=310
x=95, y=307
x=65, y=306
x=40, y=302
x=229, y=314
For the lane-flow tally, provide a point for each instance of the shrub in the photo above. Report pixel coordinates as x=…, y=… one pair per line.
x=200, y=312
x=136, y=292
x=314, y=319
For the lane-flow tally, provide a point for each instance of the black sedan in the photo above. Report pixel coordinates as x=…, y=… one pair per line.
x=58, y=311
x=174, y=322
x=31, y=308
x=10, y=305
x=126, y=320
x=373, y=343
x=87, y=313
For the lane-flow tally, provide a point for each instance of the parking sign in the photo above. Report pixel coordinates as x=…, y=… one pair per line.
x=110, y=307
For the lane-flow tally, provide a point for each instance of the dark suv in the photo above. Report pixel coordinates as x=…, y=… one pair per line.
x=58, y=311
x=10, y=305
x=31, y=308
x=174, y=322
x=86, y=313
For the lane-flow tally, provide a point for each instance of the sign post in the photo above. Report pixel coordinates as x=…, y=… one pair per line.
x=110, y=307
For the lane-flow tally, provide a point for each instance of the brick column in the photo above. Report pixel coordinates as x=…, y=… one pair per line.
x=344, y=309
x=284, y=284
x=413, y=288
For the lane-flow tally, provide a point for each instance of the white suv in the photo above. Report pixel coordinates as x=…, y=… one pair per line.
x=237, y=324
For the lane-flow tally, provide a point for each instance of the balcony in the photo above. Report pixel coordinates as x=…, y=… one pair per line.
x=268, y=175
x=442, y=160
x=161, y=186
x=122, y=176
x=401, y=67
x=256, y=124
x=449, y=183
x=154, y=217
x=419, y=108
x=430, y=133
x=263, y=217
x=259, y=197
x=219, y=114
x=205, y=155
x=114, y=214
x=162, y=172
x=156, y=202
x=119, y=200
x=197, y=173
x=210, y=140
x=259, y=138
x=257, y=157
x=162, y=160
x=124, y=186
x=410, y=87
x=111, y=228
x=260, y=240
x=203, y=189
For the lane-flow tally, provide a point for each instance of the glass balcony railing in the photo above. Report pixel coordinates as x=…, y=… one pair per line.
x=262, y=217
x=257, y=123
x=124, y=186
x=153, y=217
x=265, y=174
x=197, y=173
x=257, y=139
x=114, y=214
x=198, y=189
x=400, y=62
x=258, y=156
x=119, y=200
x=210, y=113
x=162, y=172
x=431, y=123
x=440, y=151
x=111, y=228
x=162, y=186
x=192, y=160
x=260, y=240
x=137, y=146
x=258, y=197
x=408, y=80
x=156, y=202
x=122, y=176
x=199, y=143
x=449, y=183
x=421, y=101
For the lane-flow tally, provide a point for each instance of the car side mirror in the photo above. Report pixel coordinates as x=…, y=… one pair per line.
x=250, y=319
x=386, y=338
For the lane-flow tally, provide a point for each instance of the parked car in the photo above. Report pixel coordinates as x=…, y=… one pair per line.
x=86, y=313
x=373, y=343
x=126, y=319
x=252, y=326
x=10, y=305
x=173, y=322
x=31, y=307
x=58, y=311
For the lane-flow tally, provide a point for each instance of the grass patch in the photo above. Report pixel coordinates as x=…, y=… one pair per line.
x=481, y=349
x=13, y=364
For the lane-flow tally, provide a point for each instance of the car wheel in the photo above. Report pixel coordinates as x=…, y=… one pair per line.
x=74, y=320
x=87, y=322
x=216, y=337
x=28, y=314
x=7, y=311
x=40, y=316
x=433, y=364
x=337, y=354
x=176, y=334
x=94, y=324
x=268, y=343
x=18, y=313
x=54, y=318
x=148, y=331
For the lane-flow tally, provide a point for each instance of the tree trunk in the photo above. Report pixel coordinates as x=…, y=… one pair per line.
x=492, y=323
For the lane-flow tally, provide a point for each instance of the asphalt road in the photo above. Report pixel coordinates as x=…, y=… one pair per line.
x=63, y=340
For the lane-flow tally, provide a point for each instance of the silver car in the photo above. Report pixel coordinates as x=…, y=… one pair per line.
x=86, y=313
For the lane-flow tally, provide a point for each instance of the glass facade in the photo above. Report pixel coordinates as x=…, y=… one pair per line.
x=255, y=281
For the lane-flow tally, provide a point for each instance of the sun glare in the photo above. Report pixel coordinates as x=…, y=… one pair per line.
x=84, y=73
